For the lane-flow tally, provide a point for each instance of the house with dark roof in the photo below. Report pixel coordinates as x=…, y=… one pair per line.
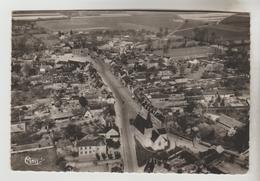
x=91, y=146
x=155, y=135
x=141, y=123
x=148, y=135
x=159, y=139
x=229, y=122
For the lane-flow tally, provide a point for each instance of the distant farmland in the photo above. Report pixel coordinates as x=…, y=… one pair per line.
x=231, y=28
x=223, y=31
x=187, y=52
x=147, y=21
x=191, y=24
x=238, y=20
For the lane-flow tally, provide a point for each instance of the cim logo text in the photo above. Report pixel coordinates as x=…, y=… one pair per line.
x=33, y=161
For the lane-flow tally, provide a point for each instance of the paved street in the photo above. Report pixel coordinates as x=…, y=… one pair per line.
x=126, y=108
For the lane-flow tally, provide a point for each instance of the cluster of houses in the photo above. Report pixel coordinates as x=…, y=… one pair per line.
x=78, y=97
x=168, y=86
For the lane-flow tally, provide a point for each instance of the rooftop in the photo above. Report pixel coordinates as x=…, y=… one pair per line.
x=140, y=123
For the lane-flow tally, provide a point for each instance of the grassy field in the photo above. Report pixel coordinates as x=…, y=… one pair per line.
x=49, y=163
x=239, y=20
x=28, y=97
x=151, y=21
x=183, y=52
x=229, y=32
x=191, y=24
x=224, y=32
x=235, y=27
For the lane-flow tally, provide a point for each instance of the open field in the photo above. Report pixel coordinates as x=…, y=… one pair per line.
x=204, y=16
x=223, y=31
x=147, y=21
x=239, y=20
x=191, y=24
x=234, y=27
x=186, y=52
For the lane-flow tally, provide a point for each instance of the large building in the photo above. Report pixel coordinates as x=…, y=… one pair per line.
x=91, y=146
x=148, y=135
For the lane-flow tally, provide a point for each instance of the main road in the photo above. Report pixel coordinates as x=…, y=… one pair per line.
x=126, y=108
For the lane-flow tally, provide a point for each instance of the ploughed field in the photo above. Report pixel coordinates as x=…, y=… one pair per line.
x=187, y=51
x=233, y=27
x=148, y=21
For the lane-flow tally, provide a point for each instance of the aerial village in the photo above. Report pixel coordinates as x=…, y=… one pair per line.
x=130, y=100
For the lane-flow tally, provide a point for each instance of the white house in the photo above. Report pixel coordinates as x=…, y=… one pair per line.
x=159, y=139
x=112, y=134
x=148, y=135
x=91, y=146
x=102, y=120
x=88, y=115
x=20, y=127
x=110, y=100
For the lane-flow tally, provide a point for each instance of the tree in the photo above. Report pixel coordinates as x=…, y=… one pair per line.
x=165, y=49
x=185, y=41
x=213, y=37
x=222, y=103
x=76, y=89
x=75, y=154
x=79, y=111
x=103, y=156
x=182, y=70
x=97, y=156
x=161, y=30
x=83, y=101
x=241, y=138
x=16, y=68
x=110, y=110
x=117, y=155
x=116, y=169
x=37, y=124
x=49, y=123
x=58, y=103
x=26, y=69
x=81, y=78
x=166, y=31
x=73, y=132
x=190, y=107
x=200, y=34
x=110, y=156
x=61, y=162
x=113, y=144
x=149, y=44
x=160, y=33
